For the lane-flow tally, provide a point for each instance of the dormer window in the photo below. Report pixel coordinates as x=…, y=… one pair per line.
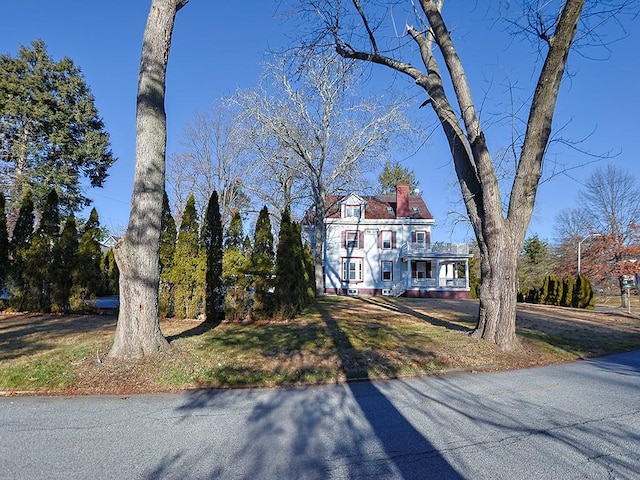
x=352, y=211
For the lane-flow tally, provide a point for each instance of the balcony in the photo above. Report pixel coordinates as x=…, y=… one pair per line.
x=438, y=249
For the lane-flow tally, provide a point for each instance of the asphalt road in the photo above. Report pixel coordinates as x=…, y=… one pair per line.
x=572, y=421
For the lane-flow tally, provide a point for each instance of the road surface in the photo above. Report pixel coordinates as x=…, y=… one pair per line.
x=573, y=421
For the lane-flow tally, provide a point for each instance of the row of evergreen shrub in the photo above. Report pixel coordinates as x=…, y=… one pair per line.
x=569, y=292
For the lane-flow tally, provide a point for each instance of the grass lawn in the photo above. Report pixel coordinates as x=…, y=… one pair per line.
x=337, y=339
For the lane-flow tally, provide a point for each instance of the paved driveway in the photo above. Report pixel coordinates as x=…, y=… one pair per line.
x=572, y=421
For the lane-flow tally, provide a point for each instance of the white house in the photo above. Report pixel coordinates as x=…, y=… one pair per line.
x=381, y=245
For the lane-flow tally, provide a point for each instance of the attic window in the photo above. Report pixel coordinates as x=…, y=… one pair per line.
x=416, y=209
x=352, y=211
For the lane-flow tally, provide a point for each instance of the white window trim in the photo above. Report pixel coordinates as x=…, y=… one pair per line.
x=358, y=264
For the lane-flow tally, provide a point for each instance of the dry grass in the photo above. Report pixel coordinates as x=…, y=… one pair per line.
x=338, y=339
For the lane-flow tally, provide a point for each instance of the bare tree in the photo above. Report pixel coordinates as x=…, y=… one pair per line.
x=212, y=160
x=312, y=136
x=609, y=219
x=137, y=253
x=356, y=31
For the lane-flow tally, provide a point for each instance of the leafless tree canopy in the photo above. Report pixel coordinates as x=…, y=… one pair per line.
x=424, y=50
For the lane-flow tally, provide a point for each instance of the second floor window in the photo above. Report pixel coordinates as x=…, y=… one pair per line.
x=351, y=239
x=387, y=239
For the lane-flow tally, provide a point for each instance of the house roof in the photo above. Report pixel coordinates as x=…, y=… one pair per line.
x=381, y=207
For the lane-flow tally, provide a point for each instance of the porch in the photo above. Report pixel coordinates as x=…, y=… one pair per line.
x=438, y=270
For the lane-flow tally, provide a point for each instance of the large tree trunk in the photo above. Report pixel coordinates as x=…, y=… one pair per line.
x=137, y=254
x=319, y=234
x=500, y=238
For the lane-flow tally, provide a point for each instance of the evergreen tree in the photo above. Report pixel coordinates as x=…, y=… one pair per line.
x=212, y=239
x=18, y=247
x=65, y=264
x=110, y=273
x=395, y=174
x=262, y=259
x=88, y=279
x=234, y=268
x=4, y=244
x=310, y=280
x=48, y=115
x=290, y=290
x=234, y=237
x=39, y=265
x=188, y=272
x=167, y=252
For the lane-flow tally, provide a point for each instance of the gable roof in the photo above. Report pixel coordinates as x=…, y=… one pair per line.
x=381, y=207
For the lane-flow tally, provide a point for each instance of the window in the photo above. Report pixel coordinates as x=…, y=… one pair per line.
x=386, y=240
x=352, y=269
x=420, y=237
x=387, y=271
x=351, y=239
x=352, y=211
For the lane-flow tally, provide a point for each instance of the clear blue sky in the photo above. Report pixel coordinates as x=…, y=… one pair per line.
x=218, y=46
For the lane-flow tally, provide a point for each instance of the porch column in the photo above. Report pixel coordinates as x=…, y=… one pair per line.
x=437, y=273
x=466, y=273
x=407, y=282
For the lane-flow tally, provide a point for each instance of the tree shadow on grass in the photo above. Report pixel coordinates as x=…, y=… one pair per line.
x=199, y=329
x=400, y=308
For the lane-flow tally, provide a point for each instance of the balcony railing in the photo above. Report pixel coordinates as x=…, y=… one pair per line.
x=417, y=248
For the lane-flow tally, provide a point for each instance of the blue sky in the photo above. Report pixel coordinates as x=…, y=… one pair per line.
x=218, y=47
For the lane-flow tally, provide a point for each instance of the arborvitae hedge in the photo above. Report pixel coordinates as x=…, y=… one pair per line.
x=566, y=293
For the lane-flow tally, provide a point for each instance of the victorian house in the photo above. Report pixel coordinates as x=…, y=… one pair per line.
x=382, y=245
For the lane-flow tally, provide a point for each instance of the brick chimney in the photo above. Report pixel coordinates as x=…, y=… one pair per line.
x=402, y=201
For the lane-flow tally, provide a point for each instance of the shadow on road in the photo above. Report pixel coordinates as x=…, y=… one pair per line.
x=347, y=430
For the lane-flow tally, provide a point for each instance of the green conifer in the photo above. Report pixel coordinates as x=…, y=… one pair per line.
x=18, y=248
x=189, y=266
x=65, y=263
x=4, y=244
x=212, y=238
x=262, y=263
x=167, y=252
x=88, y=278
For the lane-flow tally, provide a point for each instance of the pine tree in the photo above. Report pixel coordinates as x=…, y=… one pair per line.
x=188, y=272
x=88, y=278
x=262, y=260
x=212, y=239
x=4, y=244
x=18, y=248
x=65, y=262
x=395, y=174
x=49, y=116
x=167, y=252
